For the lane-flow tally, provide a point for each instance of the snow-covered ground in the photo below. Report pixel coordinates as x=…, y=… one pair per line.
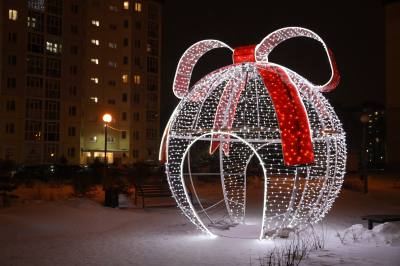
x=82, y=232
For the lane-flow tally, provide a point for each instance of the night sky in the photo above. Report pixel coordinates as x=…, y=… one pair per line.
x=354, y=30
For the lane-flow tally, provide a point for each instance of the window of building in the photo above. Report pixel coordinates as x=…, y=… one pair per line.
x=31, y=22
x=152, y=47
x=35, y=21
x=152, y=64
x=96, y=23
x=12, y=37
x=111, y=101
x=136, y=79
x=138, y=7
x=36, y=4
x=10, y=128
x=92, y=139
x=12, y=60
x=52, y=110
x=152, y=30
x=35, y=43
x=33, y=130
x=74, y=9
x=54, y=25
x=110, y=139
x=11, y=83
x=54, y=6
x=71, y=152
x=34, y=86
x=10, y=105
x=123, y=134
x=124, y=116
x=52, y=88
x=71, y=131
x=153, y=12
x=125, y=78
x=126, y=42
x=112, y=83
x=73, y=70
x=12, y=14
x=34, y=65
x=51, y=131
x=136, y=98
x=72, y=111
x=136, y=116
x=112, y=45
x=125, y=60
x=112, y=64
x=113, y=27
x=151, y=116
x=33, y=108
x=126, y=23
x=124, y=97
x=114, y=8
x=52, y=47
x=135, y=153
x=94, y=80
x=151, y=134
x=152, y=83
x=135, y=135
x=94, y=60
x=95, y=42
x=126, y=5
x=94, y=99
x=137, y=43
x=53, y=67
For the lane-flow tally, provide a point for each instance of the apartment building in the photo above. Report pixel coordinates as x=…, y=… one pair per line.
x=64, y=64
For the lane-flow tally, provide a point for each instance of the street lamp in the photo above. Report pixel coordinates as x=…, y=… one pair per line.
x=364, y=118
x=107, y=118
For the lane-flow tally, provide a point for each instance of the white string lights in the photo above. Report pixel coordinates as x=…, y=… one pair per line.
x=232, y=109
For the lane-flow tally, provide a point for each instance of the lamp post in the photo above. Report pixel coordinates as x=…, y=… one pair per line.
x=107, y=118
x=364, y=118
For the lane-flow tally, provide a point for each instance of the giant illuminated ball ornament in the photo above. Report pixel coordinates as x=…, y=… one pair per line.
x=255, y=107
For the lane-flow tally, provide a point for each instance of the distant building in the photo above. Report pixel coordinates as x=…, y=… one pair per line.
x=64, y=63
x=375, y=138
x=392, y=15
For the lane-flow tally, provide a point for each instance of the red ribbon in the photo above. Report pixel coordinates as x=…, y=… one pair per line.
x=291, y=114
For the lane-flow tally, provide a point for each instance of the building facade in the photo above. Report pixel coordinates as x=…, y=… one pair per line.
x=392, y=16
x=65, y=63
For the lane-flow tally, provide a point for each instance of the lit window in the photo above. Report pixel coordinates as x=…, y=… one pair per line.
x=12, y=14
x=94, y=60
x=96, y=23
x=125, y=78
x=31, y=21
x=126, y=5
x=136, y=79
x=94, y=99
x=138, y=7
x=112, y=45
x=53, y=47
x=92, y=139
x=95, y=42
x=114, y=8
x=112, y=64
x=94, y=80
